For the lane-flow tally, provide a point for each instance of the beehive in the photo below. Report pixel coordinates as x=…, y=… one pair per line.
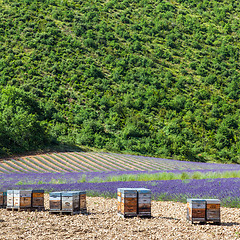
x=144, y=202
x=196, y=210
x=3, y=199
x=128, y=202
x=70, y=201
x=82, y=201
x=38, y=199
x=213, y=210
x=55, y=201
x=10, y=198
x=22, y=198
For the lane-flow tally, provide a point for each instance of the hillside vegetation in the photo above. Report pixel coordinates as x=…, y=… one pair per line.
x=150, y=77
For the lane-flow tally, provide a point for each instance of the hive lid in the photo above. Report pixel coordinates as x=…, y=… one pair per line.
x=213, y=201
x=123, y=190
x=55, y=194
x=143, y=190
x=38, y=191
x=10, y=191
x=69, y=194
x=82, y=192
x=195, y=200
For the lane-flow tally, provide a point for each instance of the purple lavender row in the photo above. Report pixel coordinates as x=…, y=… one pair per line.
x=227, y=190
x=73, y=177
x=177, y=164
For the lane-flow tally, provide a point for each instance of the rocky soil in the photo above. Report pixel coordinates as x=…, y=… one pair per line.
x=102, y=222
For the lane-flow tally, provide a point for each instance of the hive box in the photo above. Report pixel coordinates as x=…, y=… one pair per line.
x=10, y=198
x=144, y=202
x=196, y=210
x=22, y=198
x=38, y=198
x=128, y=202
x=3, y=199
x=70, y=201
x=82, y=201
x=55, y=201
x=213, y=210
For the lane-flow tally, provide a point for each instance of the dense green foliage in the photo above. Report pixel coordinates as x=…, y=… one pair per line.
x=150, y=77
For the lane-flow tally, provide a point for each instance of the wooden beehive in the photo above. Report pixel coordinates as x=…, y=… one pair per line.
x=10, y=198
x=55, y=201
x=128, y=202
x=22, y=198
x=82, y=201
x=70, y=201
x=196, y=210
x=38, y=199
x=144, y=202
x=213, y=210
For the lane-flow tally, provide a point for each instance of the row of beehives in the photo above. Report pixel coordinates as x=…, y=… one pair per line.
x=137, y=202
x=72, y=201
x=131, y=202
x=21, y=199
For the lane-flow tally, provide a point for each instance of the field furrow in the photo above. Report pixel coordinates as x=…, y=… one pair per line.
x=152, y=163
x=30, y=164
x=8, y=166
x=49, y=163
x=23, y=165
x=145, y=165
x=37, y=164
x=134, y=165
x=103, y=164
x=18, y=166
x=91, y=164
x=82, y=162
x=73, y=163
x=64, y=165
x=114, y=163
x=44, y=163
x=3, y=169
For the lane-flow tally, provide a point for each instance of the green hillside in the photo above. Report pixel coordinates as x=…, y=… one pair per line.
x=149, y=77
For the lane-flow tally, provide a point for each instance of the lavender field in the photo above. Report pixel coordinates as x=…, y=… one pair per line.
x=102, y=173
x=101, y=162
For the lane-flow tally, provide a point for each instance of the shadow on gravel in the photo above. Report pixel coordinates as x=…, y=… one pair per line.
x=229, y=224
x=89, y=213
x=168, y=218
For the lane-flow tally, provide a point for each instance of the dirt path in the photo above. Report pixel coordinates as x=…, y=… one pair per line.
x=168, y=222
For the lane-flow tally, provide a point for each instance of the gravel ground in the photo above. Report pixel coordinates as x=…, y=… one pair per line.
x=102, y=222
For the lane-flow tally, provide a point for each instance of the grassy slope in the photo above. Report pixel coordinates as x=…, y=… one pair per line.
x=149, y=77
